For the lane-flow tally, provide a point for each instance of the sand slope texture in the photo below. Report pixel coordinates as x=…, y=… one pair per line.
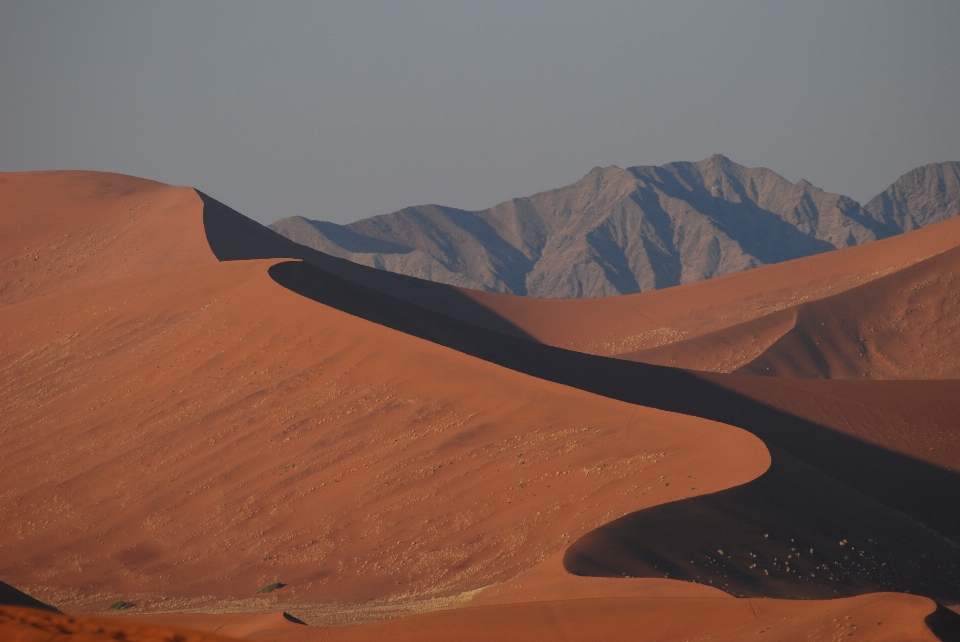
x=195, y=409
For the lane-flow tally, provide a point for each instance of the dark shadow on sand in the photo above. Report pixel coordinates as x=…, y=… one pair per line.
x=793, y=533
x=234, y=237
x=824, y=487
x=12, y=596
x=925, y=492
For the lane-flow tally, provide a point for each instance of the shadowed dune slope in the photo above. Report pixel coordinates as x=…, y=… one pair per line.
x=12, y=596
x=234, y=237
x=792, y=533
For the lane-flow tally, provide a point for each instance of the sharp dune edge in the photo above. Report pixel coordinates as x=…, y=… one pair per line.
x=189, y=416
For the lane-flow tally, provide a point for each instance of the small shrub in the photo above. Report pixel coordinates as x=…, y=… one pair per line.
x=121, y=604
x=273, y=586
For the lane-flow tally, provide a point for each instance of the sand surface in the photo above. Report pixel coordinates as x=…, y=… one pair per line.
x=188, y=417
x=882, y=616
x=18, y=624
x=623, y=325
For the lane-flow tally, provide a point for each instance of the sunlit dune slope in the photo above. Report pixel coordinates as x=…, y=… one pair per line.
x=877, y=618
x=216, y=432
x=850, y=430
x=904, y=325
x=185, y=436
x=18, y=624
x=874, y=617
x=64, y=229
x=618, y=326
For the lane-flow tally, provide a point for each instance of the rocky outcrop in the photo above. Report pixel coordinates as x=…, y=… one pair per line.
x=619, y=231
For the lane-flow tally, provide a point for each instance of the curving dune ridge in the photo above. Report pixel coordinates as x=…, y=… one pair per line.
x=180, y=430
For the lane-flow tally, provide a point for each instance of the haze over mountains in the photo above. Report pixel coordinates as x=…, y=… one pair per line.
x=622, y=231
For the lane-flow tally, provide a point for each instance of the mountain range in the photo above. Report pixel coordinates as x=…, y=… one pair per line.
x=622, y=231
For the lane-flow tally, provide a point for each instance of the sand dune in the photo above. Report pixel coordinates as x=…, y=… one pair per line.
x=343, y=458
x=11, y=596
x=619, y=326
x=189, y=416
x=720, y=325
x=853, y=431
x=62, y=230
x=325, y=430
x=30, y=625
x=899, y=326
x=251, y=626
x=874, y=617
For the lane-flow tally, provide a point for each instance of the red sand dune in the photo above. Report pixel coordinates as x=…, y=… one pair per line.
x=618, y=326
x=179, y=431
x=201, y=431
x=874, y=617
x=832, y=427
x=323, y=430
x=18, y=624
x=900, y=326
x=65, y=229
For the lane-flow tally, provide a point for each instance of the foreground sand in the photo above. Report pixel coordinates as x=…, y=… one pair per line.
x=179, y=431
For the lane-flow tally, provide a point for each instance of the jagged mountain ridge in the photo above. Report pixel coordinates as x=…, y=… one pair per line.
x=620, y=231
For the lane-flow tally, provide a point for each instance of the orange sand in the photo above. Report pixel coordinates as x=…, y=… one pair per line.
x=179, y=431
x=213, y=432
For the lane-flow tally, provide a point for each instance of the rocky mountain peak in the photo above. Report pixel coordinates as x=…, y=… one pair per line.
x=925, y=195
x=619, y=231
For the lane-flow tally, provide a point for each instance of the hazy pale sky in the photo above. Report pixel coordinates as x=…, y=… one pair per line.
x=343, y=110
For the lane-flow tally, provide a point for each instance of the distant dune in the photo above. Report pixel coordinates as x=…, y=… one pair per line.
x=622, y=231
x=194, y=407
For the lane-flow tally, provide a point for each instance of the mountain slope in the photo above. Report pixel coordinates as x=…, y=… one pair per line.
x=925, y=195
x=620, y=231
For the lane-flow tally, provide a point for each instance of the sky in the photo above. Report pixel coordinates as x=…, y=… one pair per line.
x=342, y=110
